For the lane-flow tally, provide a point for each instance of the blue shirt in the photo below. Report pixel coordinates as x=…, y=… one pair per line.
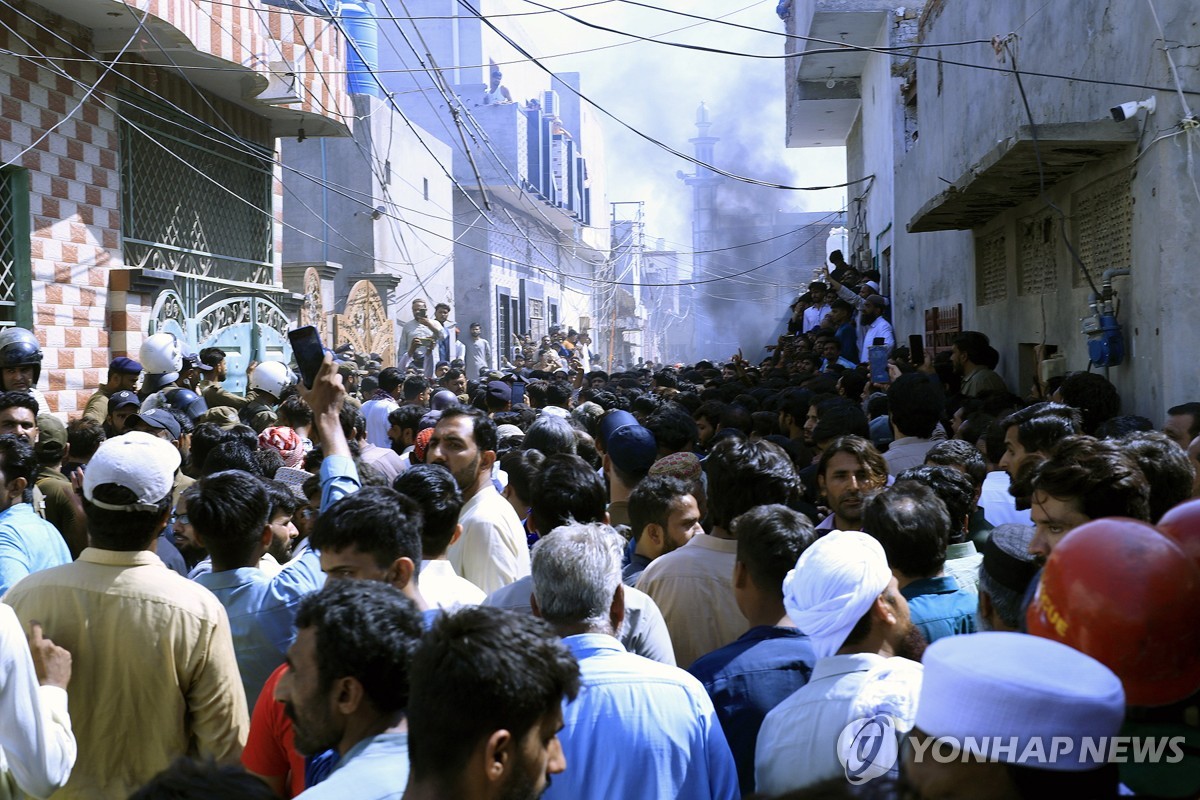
x=374, y=769
x=749, y=677
x=339, y=477
x=28, y=544
x=940, y=608
x=639, y=729
x=847, y=336
x=262, y=613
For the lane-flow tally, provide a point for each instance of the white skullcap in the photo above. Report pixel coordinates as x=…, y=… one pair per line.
x=1015, y=688
x=833, y=585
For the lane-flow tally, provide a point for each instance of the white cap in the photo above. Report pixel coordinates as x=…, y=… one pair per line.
x=835, y=581
x=142, y=463
x=1016, y=687
x=506, y=430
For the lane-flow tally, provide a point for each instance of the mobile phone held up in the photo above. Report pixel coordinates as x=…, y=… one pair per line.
x=916, y=349
x=877, y=357
x=309, y=353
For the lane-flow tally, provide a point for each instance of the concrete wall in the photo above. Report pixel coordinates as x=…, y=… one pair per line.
x=975, y=108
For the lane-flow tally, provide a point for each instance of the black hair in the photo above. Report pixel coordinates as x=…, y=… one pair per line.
x=1094, y=396
x=189, y=779
x=959, y=453
x=366, y=630
x=770, y=539
x=915, y=405
x=84, y=437
x=414, y=386
x=744, y=474
x=432, y=487
x=1192, y=409
x=269, y=461
x=558, y=394
x=765, y=423
x=974, y=345
x=1043, y=425
x=652, y=501
x=211, y=356
x=1123, y=425
x=712, y=411
x=123, y=530
x=23, y=400
x=407, y=417
x=838, y=416
x=1103, y=480
x=954, y=489
x=795, y=403
x=566, y=490
x=390, y=379
x=231, y=454
x=912, y=524
x=736, y=416
x=294, y=412
x=229, y=511
x=480, y=670
x=205, y=437
x=523, y=468
x=673, y=428
x=484, y=429
x=1166, y=466
x=19, y=461
x=549, y=435
x=374, y=520
x=280, y=497
x=244, y=435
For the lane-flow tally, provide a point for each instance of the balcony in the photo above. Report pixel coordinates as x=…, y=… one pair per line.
x=820, y=115
x=240, y=50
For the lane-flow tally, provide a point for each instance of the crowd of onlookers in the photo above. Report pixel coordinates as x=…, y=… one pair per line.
x=790, y=578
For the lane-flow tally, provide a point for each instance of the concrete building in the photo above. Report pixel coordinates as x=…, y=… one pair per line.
x=530, y=221
x=144, y=195
x=985, y=228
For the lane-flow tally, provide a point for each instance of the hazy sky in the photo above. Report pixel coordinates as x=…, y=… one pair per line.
x=657, y=88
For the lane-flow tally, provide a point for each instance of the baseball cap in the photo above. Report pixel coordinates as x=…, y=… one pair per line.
x=192, y=361
x=121, y=399
x=632, y=449
x=225, y=417
x=124, y=365
x=140, y=462
x=52, y=436
x=159, y=419
x=612, y=421
x=506, y=430
x=499, y=390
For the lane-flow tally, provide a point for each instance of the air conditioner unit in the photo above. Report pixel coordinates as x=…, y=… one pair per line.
x=550, y=103
x=283, y=86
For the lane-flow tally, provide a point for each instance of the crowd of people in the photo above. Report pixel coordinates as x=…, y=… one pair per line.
x=719, y=580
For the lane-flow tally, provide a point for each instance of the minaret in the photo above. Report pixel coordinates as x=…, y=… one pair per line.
x=704, y=184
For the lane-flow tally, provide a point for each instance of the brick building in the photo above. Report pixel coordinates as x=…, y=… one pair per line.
x=139, y=187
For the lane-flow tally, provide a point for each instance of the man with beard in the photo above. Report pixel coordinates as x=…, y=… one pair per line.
x=488, y=688
x=492, y=551
x=844, y=596
x=970, y=354
x=210, y=388
x=912, y=524
x=873, y=327
x=850, y=468
x=346, y=686
x=1028, y=434
x=663, y=517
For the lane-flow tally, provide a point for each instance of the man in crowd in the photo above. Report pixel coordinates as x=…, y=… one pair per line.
x=844, y=596
x=487, y=693
x=1183, y=423
x=479, y=353
x=749, y=677
x=693, y=586
x=873, y=326
x=663, y=517
x=671, y=741
x=630, y=451
x=971, y=354
x=382, y=403
x=418, y=340
x=448, y=346
x=142, y=637
x=912, y=524
x=850, y=469
x=28, y=543
x=121, y=406
x=914, y=407
x=123, y=374
x=210, y=387
x=492, y=551
x=818, y=308
x=346, y=686
x=1029, y=434
x=1004, y=577
x=61, y=506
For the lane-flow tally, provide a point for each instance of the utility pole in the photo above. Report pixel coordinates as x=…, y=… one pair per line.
x=620, y=310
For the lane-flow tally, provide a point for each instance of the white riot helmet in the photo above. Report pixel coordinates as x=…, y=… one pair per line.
x=271, y=377
x=161, y=354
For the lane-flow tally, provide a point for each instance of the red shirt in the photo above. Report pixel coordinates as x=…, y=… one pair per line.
x=269, y=751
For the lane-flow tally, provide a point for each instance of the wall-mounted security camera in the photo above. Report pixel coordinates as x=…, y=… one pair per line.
x=378, y=212
x=1129, y=110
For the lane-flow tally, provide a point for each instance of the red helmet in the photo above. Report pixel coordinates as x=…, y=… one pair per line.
x=1182, y=524
x=1125, y=594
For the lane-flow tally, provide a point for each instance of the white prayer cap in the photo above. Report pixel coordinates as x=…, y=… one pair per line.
x=1013, y=687
x=833, y=585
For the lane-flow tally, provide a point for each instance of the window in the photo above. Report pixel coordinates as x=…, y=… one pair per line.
x=16, y=292
x=425, y=189
x=504, y=329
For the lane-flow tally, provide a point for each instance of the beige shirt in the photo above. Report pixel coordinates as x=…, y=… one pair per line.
x=442, y=588
x=693, y=587
x=153, y=670
x=493, y=550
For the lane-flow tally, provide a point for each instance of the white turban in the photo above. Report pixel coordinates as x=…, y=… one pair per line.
x=833, y=585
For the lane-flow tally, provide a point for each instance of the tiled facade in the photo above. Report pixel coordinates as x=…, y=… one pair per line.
x=65, y=135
